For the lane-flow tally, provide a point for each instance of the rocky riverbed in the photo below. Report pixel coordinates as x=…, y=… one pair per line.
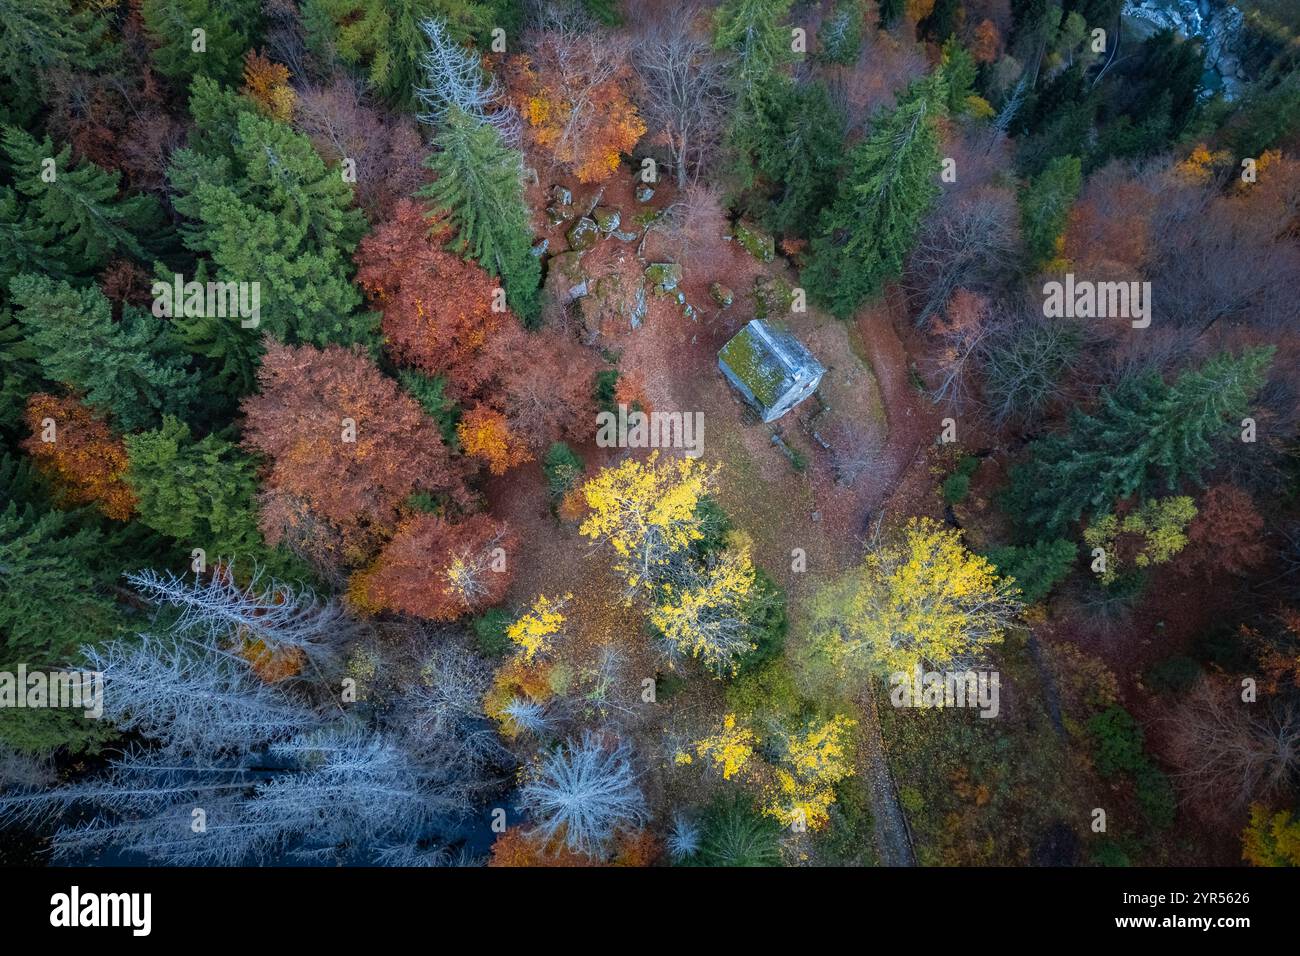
x=1217, y=24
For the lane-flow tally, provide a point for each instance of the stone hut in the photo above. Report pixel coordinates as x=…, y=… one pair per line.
x=770, y=367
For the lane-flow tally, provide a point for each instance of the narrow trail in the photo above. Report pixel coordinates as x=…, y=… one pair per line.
x=909, y=432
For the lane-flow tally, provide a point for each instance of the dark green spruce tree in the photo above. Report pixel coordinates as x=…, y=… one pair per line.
x=1143, y=435
x=863, y=237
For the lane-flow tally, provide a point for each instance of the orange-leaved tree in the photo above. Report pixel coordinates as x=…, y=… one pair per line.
x=343, y=439
x=439, y=570
x=80, y=454
x=437, y=307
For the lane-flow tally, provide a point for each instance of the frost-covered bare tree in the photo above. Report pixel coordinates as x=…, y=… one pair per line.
x=353, y=787
x=685, y=90
x=328, y=794
x=442, y=712
x=584, y=792
x=530, y=716
x=216, y=608
x=193, y=698
x=454, y=77
x=683, y=838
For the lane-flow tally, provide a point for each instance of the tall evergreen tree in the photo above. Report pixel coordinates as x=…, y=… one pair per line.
x=480, y=190
x=200, y=493
x=229, y=28
x=864, y=236
x=1143, y=432
x=266, y=209
x=800, y=156
x=37, y=36
x=1045, y=207
x=77, y=203
x=133, y=369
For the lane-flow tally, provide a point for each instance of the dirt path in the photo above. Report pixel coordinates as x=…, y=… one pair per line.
x=910, y=429
x=892, y=836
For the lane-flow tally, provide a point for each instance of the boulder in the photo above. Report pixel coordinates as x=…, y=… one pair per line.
x=583, y=234
x=663, y=277
x=772, y=297
x=566, y=278
x=644, y=193
x=753, y=240
x=561, y=196
x=607, y=219
x=721, y=294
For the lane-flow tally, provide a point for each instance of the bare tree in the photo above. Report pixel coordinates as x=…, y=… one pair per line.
x=971, y=242
x=443, y=710
x=217, y=609
x=1232, y=751
x=194, y=699
x=585, y=791
x=685, y=90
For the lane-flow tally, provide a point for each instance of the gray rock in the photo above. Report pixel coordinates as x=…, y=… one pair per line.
x=583, y=234
x=607, y=219
x=663, y=277
x=561, y=196
x=644, y=193
x=721, y=294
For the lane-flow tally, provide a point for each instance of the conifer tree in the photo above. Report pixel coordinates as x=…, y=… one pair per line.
x=480, y=190
x=37, y=36
x=229, y=29
x=1143, y=434
x=1045, y=207
x=267, y=209
x=200, y=493
x=864, y=236
x=132, y=369
x=75, y=203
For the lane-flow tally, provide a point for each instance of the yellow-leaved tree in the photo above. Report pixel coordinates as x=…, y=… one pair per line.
x=647, y=511
x=1149, y=534
x=706, y=610
x=815, y=760
x=918, y=598
x=534, y=629
x=729, y=749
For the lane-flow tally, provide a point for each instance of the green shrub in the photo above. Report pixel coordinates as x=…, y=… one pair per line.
x=490, y=632
x=1117, y=740
x=911, y=799
x=431, y=393
x=1174, y=674
x=1109, y=853
x=1155, y=795
x=1038, y=567
x=955, y=488
x=606, y=382
x=563, y=469
x=714, y=524
x=768, y=690
x=768, y=616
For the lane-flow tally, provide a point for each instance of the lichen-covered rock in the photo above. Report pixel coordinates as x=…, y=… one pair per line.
x=615, y=300
x=558, y=214
x=561, y=196
x=539, y=250
x=753, y=240
x=583, y=234
x=644, y=193
x=607, y=219
x=721, y=294
x=663, y=277
x=772, y=296
x=623, y=236
x=565, y=278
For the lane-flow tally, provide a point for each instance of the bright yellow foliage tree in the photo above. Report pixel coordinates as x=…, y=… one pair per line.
x=815, y=761
x=534, y=629
x=921, y=598
x=707, y=613
x=729, y=749
x=647, y=512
